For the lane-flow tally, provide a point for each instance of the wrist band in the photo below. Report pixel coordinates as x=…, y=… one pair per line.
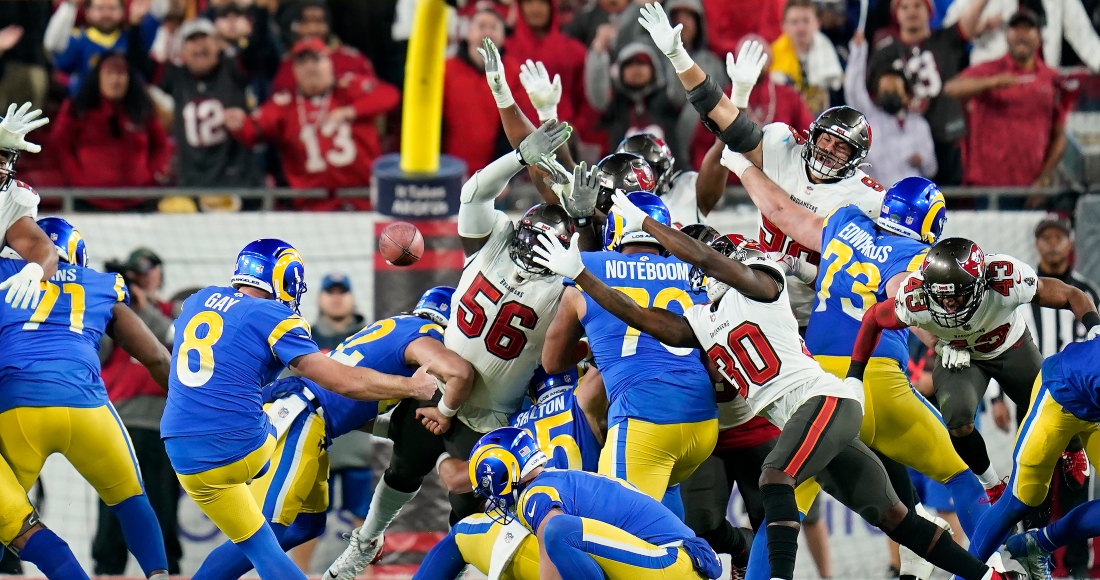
x=1090, y=319
x=443, y=457
x=582, y=222
x=520, y=157
x=445, y=410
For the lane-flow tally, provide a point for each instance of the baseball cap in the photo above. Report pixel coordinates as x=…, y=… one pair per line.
x=309, y=44
x=1054, y=222
x=195, y=27
x=1024, y=16
x=231, y=8
x=142, y=260
x=335, y=279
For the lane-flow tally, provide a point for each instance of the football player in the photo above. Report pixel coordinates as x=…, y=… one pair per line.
x=569, y=421
x=294, y=494
x=18, y=208
x=588, y=526
x=753, y=340
x=52, y=399
x=1064, y=404
x=662, y=421
x=969, y=301
x=686, y=202
x=502, y=307
x=229, y=342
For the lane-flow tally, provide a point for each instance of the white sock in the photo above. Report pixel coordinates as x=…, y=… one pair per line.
x=384, y=507
x=989, y=478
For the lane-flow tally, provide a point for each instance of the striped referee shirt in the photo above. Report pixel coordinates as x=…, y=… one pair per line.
x=1053, y=329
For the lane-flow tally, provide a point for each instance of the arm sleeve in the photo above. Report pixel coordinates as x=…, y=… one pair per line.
x=288, y=334
x=855, y=78
x=476, y=213
x=59, y=29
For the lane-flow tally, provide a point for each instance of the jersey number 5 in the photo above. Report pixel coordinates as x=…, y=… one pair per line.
x=759, y=366
x=503, y=340
x=203, y=346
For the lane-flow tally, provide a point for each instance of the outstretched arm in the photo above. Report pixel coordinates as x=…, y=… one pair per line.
x=563, y=348
x=794, y=220
x=456, y=373
x=134, y=337
x=362, y=383
x=664, y=325
x=1054, y=293
x=880, y=317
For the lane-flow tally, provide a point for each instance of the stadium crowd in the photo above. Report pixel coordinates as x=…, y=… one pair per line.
x=223, y=94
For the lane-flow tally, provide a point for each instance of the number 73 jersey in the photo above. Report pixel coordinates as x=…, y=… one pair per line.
x=995, y=326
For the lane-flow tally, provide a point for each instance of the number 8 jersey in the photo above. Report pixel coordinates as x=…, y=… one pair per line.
x=227, y=346
x=499, y=317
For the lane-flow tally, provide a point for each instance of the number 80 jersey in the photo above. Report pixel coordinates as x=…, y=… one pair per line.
x=499, y=317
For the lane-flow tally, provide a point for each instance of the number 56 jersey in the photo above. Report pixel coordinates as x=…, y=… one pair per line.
x=499, y=317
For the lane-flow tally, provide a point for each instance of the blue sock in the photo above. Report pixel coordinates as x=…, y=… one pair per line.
x=52, y=556
x=1081, y=523
x=304, y=528
x=142, y=532
x=759, y=568
x=564, y=539
x=970, y=500
x=673, y=501
x=228, y=562
x=443, y=562
x=268, y=557
x=995, y=525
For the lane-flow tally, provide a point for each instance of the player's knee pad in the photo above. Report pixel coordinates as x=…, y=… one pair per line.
x=915, y=532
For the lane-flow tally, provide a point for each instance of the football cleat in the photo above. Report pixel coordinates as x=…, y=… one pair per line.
x=1025, y=549
x=1075, y=466
x=360, y=553
x=994, y=493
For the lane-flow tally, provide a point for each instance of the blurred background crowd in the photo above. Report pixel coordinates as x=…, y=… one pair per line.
x=227, y=94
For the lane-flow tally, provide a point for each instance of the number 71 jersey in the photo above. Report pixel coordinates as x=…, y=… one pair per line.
x=499, y=317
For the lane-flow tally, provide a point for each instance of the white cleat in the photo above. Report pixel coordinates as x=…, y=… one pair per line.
x=911, y=563
x=360, y=553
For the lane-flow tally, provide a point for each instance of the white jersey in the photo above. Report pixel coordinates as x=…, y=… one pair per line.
x=681, y=200
x=756, y=346
x=17, y=201
x=499, y=317
x=734, y=413
x=783, y=164
x=996, y=325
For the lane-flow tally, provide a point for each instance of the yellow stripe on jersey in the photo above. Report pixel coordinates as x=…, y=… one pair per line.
x=916, y=262
x=286, y=326
x=527, y=494
x=120, y=287
x=825, y=221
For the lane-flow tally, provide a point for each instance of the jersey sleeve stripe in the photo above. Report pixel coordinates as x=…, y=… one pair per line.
x=120, y=288
x=284, y=327
x=916, y=262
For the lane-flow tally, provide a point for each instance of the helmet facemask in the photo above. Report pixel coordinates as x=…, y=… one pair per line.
x=826, y=164
x=8, y=159
x=965, y=298
x=522, y=249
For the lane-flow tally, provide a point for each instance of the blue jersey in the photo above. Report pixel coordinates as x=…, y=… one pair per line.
x=1073, y=379
x=559, y=425
x=645, y=379
x=228, y=345
x=599, y=497
x=342, y=415
x=857, y=260
x=50, y=356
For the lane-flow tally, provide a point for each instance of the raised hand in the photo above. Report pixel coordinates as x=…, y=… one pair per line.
x=544, y=93
x=16, y=125
x=665, y=36
x=557, y=258
x=632, y=216
x=745, y=71
x=494, y=74
x=544, y=141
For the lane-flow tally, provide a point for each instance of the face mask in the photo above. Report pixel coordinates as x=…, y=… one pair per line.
x=891, y=103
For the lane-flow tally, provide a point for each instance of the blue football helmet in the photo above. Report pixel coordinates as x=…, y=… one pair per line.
x=914, y=208
x=499, y=461
x=436, y=304
x=613, y=236
x=70, y=244
x=543, y=385
x=275, y=266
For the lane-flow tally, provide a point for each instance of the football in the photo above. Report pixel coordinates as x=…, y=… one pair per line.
x=401, y=244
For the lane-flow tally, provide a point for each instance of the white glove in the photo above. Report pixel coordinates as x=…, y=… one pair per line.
x=559, y=259
x=494, y=74
x=954, y=358
x=734, y=161
x=17, y=124
x=667, y=38
x=24, y=287
x=631, y=215
x=745, y=71
x=804, y=271
x=1093, y=332
x=544, y=94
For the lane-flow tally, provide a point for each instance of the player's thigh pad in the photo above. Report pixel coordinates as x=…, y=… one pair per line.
x=815, y=433
x=624, y=556
x=654, y=456
x=906, y=427
x=477, y=534
x=1042, y=438
x=857, y=479
x=295, y=472
x=1016, y=369
x=93, y=440
x=222, y=493
x=14, y=506
x=958, y=392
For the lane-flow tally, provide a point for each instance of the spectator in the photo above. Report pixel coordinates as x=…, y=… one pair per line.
x=244, y=32
x=633, y=95
x=339, y=318
x=768, y=103
x=730, y=20
x=23, y=75
x=312, y=21
x=468, y=101
x=201, y=90
x=107, y=135
x=930, y=59
x=598, y=19
x=74, y=54
x=325, y=131
x=537, y=37
x=139, y=402
x=166, y=44
x=1015, y=99
x=902, y=145
x=1053, y=329
x=1061, y=19
x=805, y=58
